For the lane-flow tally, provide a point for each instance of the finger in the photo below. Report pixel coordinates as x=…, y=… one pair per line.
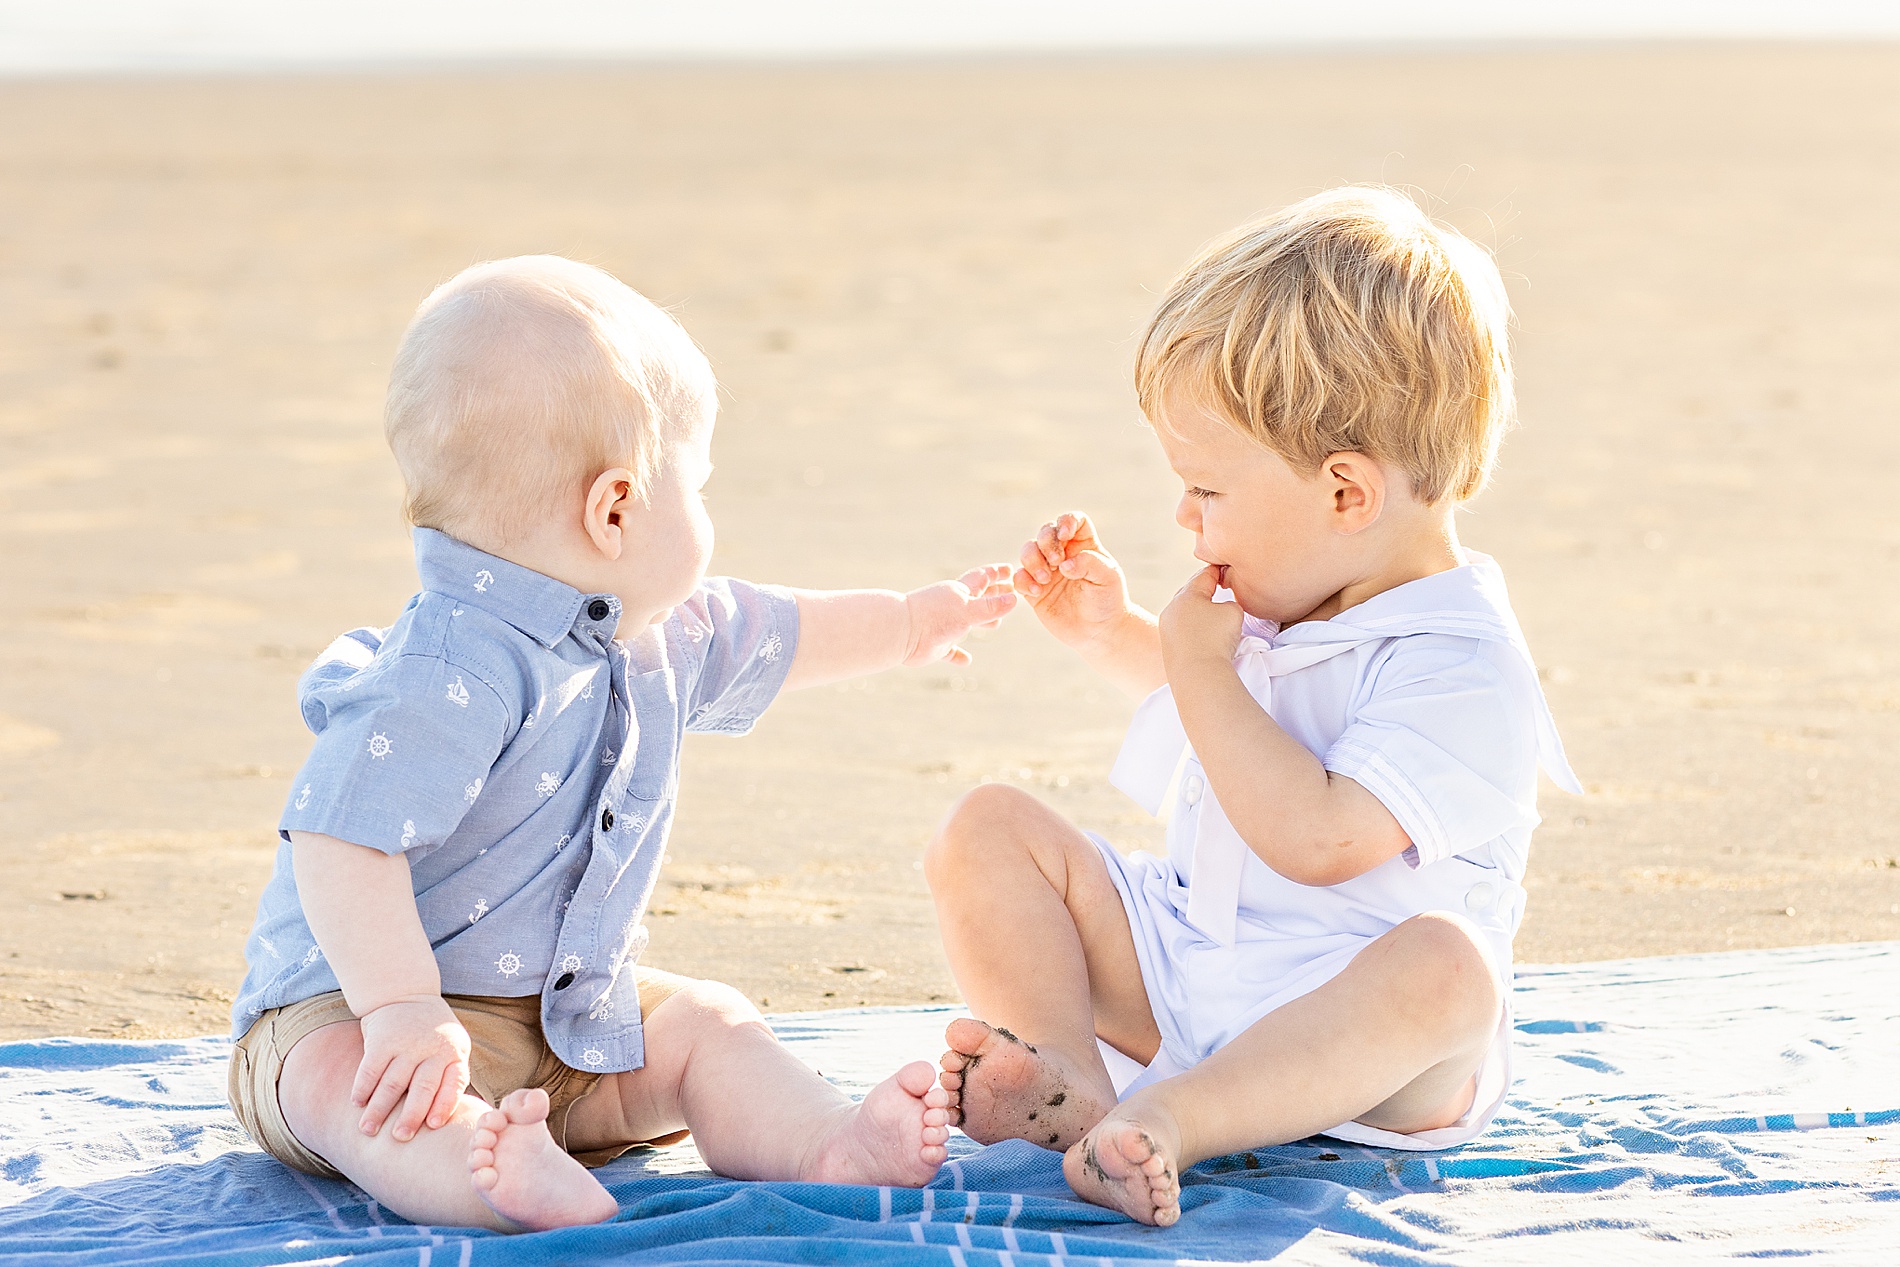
x=395, y=1081
x=1076, y=529
x=1049, y=541
x=1026, y=585
x=957, y=656
x=454, y=1082
x=991, y=608
x=1091, y=567
x=986, y=577
x=1035, y=564
x=415, y=1106
x=1209, y=579
x=1203, y=583
x=368, y=1073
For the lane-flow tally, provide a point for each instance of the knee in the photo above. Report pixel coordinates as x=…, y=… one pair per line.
x=983, y=822
x=706, y=1007
x=318, y=1075
x=1452, y=980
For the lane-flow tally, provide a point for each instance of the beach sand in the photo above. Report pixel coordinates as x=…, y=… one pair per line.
x=919, y=284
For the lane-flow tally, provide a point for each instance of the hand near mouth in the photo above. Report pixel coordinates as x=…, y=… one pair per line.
x=1194, y=627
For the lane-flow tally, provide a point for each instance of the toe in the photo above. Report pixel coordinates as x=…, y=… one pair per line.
x=967, y=1035
x=917, y=1078
x=528, y=1105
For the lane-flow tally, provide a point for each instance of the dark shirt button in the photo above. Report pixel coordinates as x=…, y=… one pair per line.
x=598, y=609
x=566, y=979
x=606, y=820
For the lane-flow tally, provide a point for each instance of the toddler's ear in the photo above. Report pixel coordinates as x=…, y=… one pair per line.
x=1357, y=486
x=604, y=514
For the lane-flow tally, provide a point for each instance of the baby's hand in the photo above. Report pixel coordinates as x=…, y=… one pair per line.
x=1072, y=584
x=1194, y=626
x=941, y=614
x=416, y=1047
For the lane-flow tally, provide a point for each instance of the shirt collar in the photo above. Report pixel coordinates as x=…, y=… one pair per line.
x=545, y=609
x=1469, y=600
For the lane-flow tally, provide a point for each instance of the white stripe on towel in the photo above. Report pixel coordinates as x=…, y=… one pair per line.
x=322, y=1200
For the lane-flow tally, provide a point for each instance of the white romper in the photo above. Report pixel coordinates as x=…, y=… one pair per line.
x=1425, y=695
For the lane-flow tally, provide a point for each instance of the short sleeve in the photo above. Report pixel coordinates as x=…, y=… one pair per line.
x=404, y=743
x=739, y=640
x=1447, y=741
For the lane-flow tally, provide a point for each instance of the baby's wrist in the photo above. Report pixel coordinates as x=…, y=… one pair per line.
x=1188, y=665
x=1117, y=634
x=381, y=1003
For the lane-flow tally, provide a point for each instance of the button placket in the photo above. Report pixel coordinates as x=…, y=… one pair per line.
x=580, y=930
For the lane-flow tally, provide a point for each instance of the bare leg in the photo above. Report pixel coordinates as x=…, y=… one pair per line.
x=756, y=1111
x=427, y=1179
x=1394, y=1041
x=1041, y=949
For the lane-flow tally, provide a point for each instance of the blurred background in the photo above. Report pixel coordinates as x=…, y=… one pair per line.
x=917, y=243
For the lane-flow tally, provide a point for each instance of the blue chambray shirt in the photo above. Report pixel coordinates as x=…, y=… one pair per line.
x=527, y=764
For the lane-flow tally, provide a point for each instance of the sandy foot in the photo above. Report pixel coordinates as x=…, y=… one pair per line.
x=1121, y=1165
x=893, y=1137
x=1002, y=1088
x=526, y=1177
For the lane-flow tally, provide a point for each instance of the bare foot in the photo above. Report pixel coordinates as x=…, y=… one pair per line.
x=893, y=1137
x=1125, y=1165
x=526, y=1177
x=1002, y=1088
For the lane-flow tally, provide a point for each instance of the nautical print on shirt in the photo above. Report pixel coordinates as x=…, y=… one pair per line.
x=533, y=847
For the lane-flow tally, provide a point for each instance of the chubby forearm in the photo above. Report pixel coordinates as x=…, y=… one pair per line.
x=1128, y=653
x=848, y=633
x=361, y=906
x=1308, y=824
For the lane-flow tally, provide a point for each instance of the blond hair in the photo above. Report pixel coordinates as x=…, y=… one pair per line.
x=1347, y=322
x=520, y=380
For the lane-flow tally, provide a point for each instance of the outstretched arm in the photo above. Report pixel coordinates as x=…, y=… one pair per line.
x=1078, y=593
x=848, y=633
x=1307, y=823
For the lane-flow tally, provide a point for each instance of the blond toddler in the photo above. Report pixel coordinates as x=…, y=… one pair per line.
x=444, y=1001
x=1339, y=716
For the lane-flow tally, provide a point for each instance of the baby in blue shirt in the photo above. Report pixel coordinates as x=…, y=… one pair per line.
x=443, y=1001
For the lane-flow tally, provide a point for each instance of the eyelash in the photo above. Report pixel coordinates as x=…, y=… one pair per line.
x=1201, y=494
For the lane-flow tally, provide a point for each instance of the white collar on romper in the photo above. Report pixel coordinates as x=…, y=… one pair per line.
x=1468, y=601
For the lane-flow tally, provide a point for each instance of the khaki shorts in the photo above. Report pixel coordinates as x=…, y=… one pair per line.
x=506, y=1053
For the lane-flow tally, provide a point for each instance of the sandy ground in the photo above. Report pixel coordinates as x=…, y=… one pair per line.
x=919, y=284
